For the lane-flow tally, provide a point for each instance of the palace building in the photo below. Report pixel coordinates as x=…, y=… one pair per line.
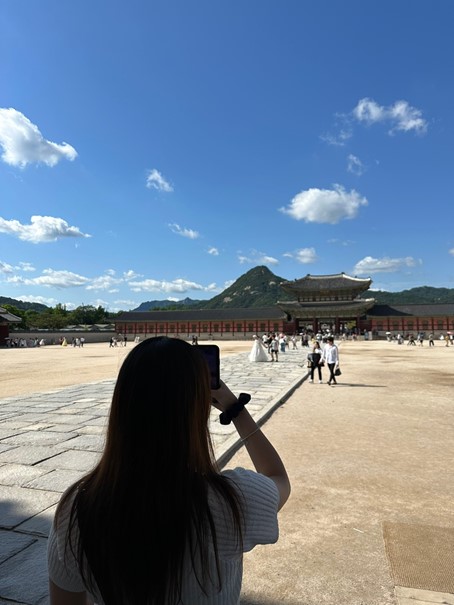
x=6, y=319
x=327, y=299
x=317, y=302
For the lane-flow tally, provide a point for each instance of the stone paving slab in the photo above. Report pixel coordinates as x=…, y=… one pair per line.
x=47, y=440
x=416, y=596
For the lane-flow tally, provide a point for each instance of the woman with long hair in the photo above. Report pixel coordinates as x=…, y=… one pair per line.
x=156, y=522
x=316, y=361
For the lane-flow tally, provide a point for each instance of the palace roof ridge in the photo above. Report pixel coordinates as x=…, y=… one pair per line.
x=341, y=275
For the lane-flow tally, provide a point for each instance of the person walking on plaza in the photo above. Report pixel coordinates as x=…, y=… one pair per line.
x=282, y=342
x=274, y=348
x=331, y=358
x=156, y=521
x=316, y=362
x=258, y=351
x=431, y=340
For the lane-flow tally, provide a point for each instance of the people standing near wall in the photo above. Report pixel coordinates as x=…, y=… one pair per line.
x=331, y=358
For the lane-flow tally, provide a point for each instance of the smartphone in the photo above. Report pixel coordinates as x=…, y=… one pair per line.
x=212, y=357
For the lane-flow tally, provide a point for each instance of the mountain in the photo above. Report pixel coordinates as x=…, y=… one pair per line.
x=24, y=306
x=420, y=296
x=152, y=305
x=259, y=287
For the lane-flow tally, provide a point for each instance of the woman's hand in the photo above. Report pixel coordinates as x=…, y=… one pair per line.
x=223, y=397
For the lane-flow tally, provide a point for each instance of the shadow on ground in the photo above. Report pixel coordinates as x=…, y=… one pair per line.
x=265, y=601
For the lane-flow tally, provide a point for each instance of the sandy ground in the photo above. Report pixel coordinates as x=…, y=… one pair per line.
x=376, y=448
x=25, y=371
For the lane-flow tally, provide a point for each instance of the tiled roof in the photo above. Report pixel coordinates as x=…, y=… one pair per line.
x=327, y=309
x=326, y=283
x=295, y=308
x=7, y=316
x=429, y=310
x=202, y=315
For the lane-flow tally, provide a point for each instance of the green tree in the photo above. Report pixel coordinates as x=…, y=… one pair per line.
x=88, y=314
x=32, y=318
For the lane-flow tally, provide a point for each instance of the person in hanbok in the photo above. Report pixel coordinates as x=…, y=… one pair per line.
x=258, y=351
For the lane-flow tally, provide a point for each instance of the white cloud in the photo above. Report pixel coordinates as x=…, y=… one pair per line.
x=213, y=251
x=107, y=282
x=325, y=205
x=451, y=251
x=52, y=279
x=257, y=258
x=126, y=303
x=5, y=267
x=41, y=229
x=401, y=116
x=26, y=267
x=23, y=144
x=354, y=165
x=305, y=256
x=369, y=265
x=339, y=139
x=128, y=275
x=99, y=302
x=155, y=180
x=347, y=242
x=190, y=233
x=50, y=302
x=177, y=285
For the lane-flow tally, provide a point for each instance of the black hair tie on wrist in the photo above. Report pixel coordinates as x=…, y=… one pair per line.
x=233, y=411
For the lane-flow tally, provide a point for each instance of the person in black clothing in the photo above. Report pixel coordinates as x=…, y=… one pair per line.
x=316, y=358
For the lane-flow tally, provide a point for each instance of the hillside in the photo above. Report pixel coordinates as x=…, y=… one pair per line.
x=153, y=305
x=423, y=295
x=259, y=287
x=24, y=306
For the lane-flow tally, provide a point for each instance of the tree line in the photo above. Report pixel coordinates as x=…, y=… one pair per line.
x=58, y=317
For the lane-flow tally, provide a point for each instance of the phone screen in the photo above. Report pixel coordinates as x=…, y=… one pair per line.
x=211, y=355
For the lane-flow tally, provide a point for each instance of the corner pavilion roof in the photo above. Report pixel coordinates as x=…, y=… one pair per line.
x=323, y=285
x=9, y=317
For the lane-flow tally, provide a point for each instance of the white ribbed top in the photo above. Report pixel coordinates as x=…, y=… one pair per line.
x=260, y=501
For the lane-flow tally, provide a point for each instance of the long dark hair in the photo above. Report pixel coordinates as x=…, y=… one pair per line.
x=143, y=511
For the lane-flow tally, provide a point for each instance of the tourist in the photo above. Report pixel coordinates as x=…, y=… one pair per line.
x=258, y=351
x=274, y=348
x=155, y=521
x=282, y=342
x=331, y=358
x=431, y=340
x=316, y=362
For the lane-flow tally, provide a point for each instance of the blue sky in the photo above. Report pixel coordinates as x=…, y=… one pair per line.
x=161, y=149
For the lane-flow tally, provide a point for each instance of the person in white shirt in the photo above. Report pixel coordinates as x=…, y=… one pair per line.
x=331, y=358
